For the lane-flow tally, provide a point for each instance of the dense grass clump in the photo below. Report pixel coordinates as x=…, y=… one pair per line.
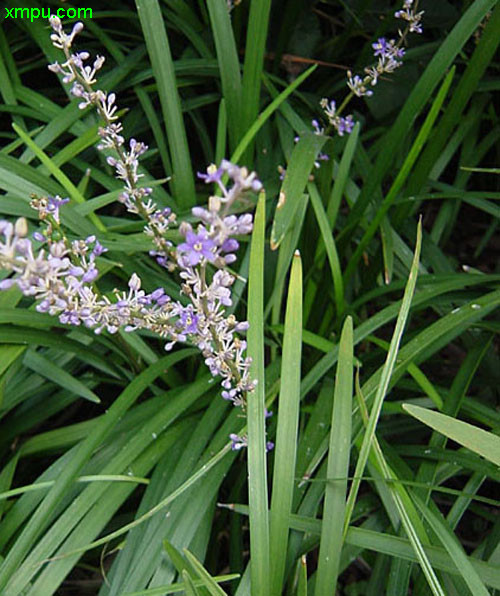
x=334, y=267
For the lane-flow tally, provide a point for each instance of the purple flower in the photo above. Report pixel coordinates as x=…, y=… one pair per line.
x=213, y=175
x=380, y=47
x=197, y=246
x=188, y=321
x=53, y=206
x=237, y=442
x=98, y=249
x=345, y=125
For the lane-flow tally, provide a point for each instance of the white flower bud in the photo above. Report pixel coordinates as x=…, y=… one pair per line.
x=134, y=283
x=214, y=204
x=21, y=227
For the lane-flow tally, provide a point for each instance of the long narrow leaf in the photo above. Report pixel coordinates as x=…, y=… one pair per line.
x=338, y=468
x=257, y=475
x=286, y=433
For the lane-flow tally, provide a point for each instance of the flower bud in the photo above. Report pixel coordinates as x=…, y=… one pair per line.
x=21, y=227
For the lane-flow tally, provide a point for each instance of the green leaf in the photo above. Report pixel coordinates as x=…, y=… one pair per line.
x=301, y=163
x=454, y=548
x=44, y=367
x=206, y=578
x=384, y=379
x=421, y=93
x=257, y=474
x=258, y=23
x=153, y=28
x=330, y=547
x=287, y=429
x=331, y=249
x=476, y=439
x=266, y=114
x=229, y=66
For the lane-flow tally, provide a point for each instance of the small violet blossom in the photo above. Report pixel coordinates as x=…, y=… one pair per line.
x=197, y=247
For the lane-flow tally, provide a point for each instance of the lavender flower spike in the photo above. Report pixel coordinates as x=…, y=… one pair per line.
x=389, y=54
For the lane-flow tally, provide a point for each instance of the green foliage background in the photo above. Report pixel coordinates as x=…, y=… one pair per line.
x=375, y=345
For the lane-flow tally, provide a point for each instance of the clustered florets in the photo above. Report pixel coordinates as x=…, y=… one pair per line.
x=61, y=276
x=389, y=53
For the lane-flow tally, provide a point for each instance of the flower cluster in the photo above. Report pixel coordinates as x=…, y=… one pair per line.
x=61, y=275
x=389, y=53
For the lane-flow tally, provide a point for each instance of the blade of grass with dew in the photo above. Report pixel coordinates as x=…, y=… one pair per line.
x=301, y=163
x=384, y=379
x=257, y=474
x=403, y=174
x=338, y=468
x=454, y=399
x=229, y=66
x=330, y=247
x=286, y=432
x=474, y=438
x=156, y=39
x=453, y=547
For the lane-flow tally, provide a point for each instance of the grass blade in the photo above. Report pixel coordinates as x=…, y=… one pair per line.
x=455, y=550
x=266, y=114
x=474, y=438
x=423, y=89
x=156, y=39
x=331, y=249
x=298, y=170
x=258, y=22
x=338, y=468
x=257, y=474
x=402, y=175
x=384, y=380
x=229, y=66
x=287, y=428
x=39, y=520
x=70, y=188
